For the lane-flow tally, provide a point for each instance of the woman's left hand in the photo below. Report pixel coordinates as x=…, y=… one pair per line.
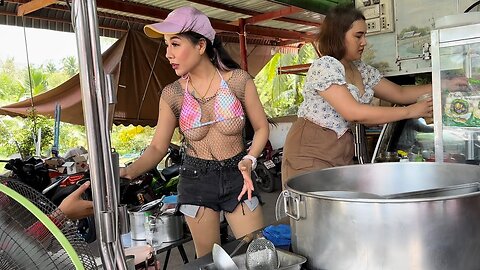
x=245, y=167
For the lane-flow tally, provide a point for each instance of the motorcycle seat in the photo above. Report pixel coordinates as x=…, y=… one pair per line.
x=171, y=171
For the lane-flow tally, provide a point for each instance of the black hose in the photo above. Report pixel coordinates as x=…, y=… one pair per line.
x=471, y=7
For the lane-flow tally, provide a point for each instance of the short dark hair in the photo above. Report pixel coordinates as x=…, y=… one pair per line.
x=339, y=19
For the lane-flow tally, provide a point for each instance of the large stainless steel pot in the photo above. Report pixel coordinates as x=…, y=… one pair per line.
x=434, y=232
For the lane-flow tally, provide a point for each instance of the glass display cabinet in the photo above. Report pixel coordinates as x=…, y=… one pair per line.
x=454, y=133
x=455, y=50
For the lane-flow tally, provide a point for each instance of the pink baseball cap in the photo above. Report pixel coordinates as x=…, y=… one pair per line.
x=181, y=20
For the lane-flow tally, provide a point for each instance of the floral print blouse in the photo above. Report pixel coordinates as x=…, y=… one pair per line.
x=324, y=72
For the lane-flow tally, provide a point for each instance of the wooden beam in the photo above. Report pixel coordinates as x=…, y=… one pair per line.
x=294, y=69
x=229, y=36
x=138, y=9
x=33, y=5
x=249, y=12
x=221, y=25
x=273, y=15
x=243, y=45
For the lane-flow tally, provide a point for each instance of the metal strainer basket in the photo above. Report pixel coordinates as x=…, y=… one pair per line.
x=261, y=255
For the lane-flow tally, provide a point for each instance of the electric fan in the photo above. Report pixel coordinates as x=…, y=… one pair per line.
x=35, y=235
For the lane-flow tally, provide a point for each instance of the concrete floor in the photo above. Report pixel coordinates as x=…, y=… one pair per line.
x=175, y=261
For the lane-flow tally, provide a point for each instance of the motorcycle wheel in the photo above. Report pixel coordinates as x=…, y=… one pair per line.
x=264, y=178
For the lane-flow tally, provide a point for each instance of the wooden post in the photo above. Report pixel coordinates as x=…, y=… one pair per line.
x=243, y=44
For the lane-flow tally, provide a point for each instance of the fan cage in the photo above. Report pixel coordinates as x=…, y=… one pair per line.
x=25, y=243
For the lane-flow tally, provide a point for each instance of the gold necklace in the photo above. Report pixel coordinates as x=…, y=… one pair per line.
x=208, y=89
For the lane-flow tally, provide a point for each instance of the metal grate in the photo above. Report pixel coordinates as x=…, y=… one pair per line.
x=25, y=243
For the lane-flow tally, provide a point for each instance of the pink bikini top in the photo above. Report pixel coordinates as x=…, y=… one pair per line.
x=227, y=106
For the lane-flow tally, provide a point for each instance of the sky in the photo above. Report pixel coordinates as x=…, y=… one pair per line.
x=43, y=45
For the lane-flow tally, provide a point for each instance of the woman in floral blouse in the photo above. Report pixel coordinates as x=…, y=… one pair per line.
x=338, y=90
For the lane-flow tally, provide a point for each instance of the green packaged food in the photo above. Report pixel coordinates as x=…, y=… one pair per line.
x=458, y=109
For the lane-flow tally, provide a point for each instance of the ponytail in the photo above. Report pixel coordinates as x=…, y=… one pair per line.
x=220, y=57
x=215, y=52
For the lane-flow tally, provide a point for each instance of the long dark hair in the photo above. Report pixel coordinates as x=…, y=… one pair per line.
x=217, y=54
x=331, y=39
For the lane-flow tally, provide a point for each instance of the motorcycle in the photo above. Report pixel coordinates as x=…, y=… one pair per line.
x=268, y=169
x=154, y=183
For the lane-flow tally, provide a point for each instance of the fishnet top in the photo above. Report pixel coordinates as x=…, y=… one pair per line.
x=215, y=138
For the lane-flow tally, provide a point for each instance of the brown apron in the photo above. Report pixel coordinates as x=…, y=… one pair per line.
x=310, y=147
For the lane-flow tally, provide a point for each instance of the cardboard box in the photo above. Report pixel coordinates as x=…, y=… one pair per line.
x=54, y=163
x=79, y=164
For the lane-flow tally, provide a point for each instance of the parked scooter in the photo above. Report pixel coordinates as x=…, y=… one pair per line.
x=268, y=170
x=154, y=183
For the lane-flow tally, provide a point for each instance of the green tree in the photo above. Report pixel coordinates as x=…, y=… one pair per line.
x=10, y=87
x=8, y=127
x=131, y=139
x=70, y=65
x=51, y=67
x=8, y=66
x=36, y=82
x=26, y=135
x=55, y=79
x=71, y=136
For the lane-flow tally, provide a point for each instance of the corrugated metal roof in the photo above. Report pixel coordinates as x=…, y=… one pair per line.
x=262, y=6
x=113, y=22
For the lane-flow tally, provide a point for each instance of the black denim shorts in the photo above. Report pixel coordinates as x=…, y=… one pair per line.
x=210, y=183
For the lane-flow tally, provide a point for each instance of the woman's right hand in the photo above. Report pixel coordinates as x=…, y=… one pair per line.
x=421, y=109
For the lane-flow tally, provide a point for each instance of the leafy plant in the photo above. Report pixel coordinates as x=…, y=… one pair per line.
x=27, y=136
x=280, y=94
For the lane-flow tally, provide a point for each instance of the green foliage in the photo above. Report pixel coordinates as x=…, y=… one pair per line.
x=9, y=127
x=50, y=67
x=27, y=135
x=55, y=79
x=70, y=65
x=71, y=136
x=10, y=87
x=8, y=66
x=131, y=139
x=20, y=133
x=280, y=94
x=36, y=82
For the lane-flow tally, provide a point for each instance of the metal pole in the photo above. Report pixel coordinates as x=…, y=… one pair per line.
x=92, y=82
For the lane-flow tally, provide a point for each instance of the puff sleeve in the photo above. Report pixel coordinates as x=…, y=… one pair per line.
x=324, y=72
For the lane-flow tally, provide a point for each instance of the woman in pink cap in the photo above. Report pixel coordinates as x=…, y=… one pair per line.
x=210, y=104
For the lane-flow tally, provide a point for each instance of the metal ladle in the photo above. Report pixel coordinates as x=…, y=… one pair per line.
x=221, y=259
